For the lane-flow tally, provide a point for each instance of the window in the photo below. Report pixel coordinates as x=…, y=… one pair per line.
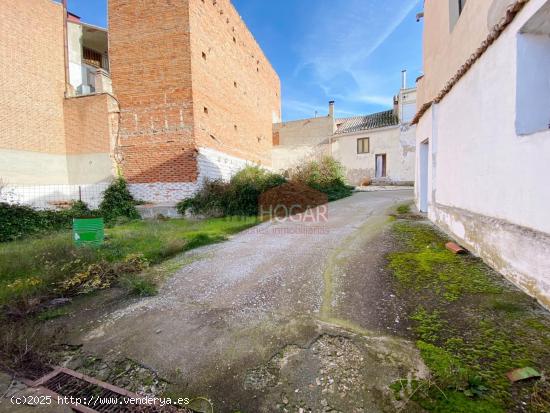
x=235, y=84
x=204, y=55
x=456, y=7
x=205, y=109
x=363, y=145
x=461, y=4
x=532, y=75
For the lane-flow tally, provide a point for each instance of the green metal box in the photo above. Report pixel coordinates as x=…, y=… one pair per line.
x=88, y=231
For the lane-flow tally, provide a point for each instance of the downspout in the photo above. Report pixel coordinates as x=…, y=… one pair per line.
x=66, y=48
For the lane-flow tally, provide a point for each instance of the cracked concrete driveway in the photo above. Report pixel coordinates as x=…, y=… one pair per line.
x=284, y=317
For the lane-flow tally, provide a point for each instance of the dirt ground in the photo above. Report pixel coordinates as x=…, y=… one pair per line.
x=289, y=316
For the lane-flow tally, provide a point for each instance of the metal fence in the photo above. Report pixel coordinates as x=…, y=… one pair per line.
x=53, y=196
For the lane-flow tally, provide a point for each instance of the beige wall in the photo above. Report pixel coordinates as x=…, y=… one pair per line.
x=32, y=168
x=446, y=48
x=305, y=132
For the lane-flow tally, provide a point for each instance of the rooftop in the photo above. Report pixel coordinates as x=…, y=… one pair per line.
x=359, y=123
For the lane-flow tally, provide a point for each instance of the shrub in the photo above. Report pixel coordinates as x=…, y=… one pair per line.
x=238, y=197
x=211, y=200
x=246, y=187
x=118, y=202
x=17, y=221
x=325, y=175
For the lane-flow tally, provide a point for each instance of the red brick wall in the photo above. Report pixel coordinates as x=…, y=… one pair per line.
x=90, y=124
x=32, y=76
x=234, y=80
x=149, y=50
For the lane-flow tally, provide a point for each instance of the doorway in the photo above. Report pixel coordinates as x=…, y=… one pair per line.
x=380, y=170
x=423, y=175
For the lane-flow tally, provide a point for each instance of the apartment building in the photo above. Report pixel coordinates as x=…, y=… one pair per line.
x=173, y=93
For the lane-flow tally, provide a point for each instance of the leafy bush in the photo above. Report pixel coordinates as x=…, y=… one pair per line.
x=17, y=221
x=118, y=202
x=325, y=175
x=238, y=197
x=211, y=200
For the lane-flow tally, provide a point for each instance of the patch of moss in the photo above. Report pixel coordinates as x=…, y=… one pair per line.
x=472, y=328
x=425, y=264
x=404, y=209
x=52, y=314
x=429, y=324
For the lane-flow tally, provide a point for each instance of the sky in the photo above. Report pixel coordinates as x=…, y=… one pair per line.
x=350, y=51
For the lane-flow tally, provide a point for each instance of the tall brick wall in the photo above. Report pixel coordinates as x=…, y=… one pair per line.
x=233, y=79
x=90, y=124
x=151, y=72
x=32, y=76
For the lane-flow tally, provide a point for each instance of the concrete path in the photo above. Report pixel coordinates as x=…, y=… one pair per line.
x=287, y=316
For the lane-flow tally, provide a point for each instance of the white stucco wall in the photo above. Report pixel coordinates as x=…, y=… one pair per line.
x=486, y=183
x=396, y=143
x=74, y=37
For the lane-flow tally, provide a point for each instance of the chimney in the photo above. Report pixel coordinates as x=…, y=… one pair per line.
x=331, y=108
x=403, y=79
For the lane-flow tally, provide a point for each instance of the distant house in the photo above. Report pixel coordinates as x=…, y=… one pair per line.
x=483, y=132
x=174, y=93
x=378, y=147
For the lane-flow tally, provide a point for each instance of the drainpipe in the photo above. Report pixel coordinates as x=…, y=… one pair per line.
x=66, y=48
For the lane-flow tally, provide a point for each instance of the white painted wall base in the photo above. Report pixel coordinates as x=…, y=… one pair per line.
x=164, y=193
x=212, y=165
x=508, y=248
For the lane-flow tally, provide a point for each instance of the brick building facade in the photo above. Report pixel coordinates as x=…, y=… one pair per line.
x=197, y=95
x=193, y=97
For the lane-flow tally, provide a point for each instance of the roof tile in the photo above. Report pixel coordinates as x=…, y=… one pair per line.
x=359, y=123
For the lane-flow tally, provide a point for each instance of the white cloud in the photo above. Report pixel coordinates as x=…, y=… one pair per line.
x=345, y=33
x=342, y=36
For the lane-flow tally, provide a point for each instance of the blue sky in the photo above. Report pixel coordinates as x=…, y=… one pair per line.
x=351, y=51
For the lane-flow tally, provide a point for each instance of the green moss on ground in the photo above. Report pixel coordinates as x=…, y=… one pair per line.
x=404, y=209
x=472, y=328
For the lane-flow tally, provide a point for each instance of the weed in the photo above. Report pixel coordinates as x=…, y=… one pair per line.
x=139, y=285
x=404, y=209
x=52, y=314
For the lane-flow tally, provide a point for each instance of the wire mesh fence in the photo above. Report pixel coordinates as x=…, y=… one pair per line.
x=53, y=196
